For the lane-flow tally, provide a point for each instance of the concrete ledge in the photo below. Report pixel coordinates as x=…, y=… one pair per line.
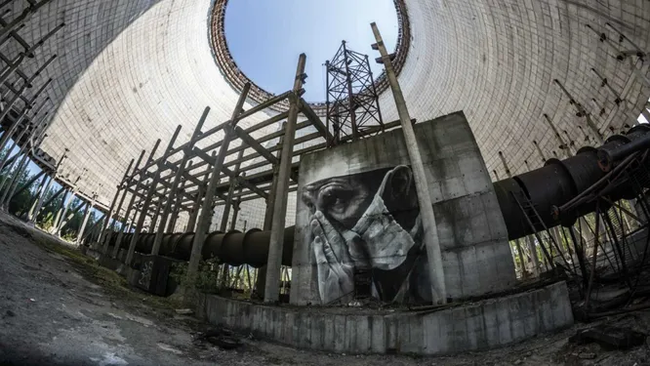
x=477, y=326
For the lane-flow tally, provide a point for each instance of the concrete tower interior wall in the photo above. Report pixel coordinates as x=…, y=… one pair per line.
x=128, y=72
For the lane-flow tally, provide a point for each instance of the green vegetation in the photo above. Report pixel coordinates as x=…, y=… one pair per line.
x=22, y=202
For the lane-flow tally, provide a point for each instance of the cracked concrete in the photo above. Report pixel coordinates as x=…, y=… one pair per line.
x=55, y=310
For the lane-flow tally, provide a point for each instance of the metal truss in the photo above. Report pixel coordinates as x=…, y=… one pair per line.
x=352, y=98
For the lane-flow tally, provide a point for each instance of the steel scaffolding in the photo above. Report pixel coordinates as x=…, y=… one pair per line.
x=352, y=99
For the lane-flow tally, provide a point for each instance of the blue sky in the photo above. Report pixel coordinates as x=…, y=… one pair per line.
x=265, y=37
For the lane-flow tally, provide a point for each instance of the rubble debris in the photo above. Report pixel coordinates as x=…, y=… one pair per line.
x=609, y=337
x=587, y=355
x=220, y=337
x=184, y=311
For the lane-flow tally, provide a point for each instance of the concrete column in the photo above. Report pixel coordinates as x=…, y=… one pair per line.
x=231, y=191
x=65, y=212
x=520, y=251
x=178, y=177
x=27, y=185
x=156, y=213
x=270, y=202
x=150, y=194
x=7, y=160
x=59, y=211
x=235, y=211
x=171, y=225
x=130, y=206
x=196, y=207
x=11, y=187
x=140, y=223
x=203, y=223
x=94, y=229
x=431, y=241
x=191, y=223
x=36, y=207
x=70, y=216
x=111, y=210
x=39, y=192
x=84, y=223
x=127, y=229
x=274, y=262
x=533, y=254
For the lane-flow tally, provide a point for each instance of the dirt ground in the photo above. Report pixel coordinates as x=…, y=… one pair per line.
x=58, y=307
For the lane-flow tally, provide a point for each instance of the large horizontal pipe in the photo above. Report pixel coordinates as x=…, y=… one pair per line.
x=546, y=188
x=234, y=247
x=559, y=182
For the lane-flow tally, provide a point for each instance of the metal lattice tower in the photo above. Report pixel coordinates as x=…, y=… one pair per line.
x=352, y=99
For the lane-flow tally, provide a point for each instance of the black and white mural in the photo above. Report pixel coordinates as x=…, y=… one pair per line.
x=365, y=234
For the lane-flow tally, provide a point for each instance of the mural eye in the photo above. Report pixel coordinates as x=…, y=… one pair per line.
x=335, y=199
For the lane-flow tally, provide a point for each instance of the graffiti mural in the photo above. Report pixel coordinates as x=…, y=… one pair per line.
x=365, y=234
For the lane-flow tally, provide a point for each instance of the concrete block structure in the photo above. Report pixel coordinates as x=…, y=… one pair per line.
x=472, y=327
x=472, y=234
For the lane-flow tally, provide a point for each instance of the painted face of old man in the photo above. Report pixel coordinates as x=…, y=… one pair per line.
x=366, y=236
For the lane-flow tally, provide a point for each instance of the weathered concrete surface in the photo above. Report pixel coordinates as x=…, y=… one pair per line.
x=44, y=332
x=476, y=326
x=473, y=236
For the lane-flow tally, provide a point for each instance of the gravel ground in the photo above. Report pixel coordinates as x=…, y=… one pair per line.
x=58, y=308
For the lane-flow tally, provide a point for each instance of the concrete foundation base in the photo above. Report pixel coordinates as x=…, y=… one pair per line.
x=470, y=327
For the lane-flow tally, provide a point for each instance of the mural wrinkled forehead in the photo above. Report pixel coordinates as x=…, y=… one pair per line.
x=337, y=163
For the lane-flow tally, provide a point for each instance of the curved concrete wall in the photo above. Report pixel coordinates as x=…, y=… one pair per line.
x=129, y=71
x=477, y=326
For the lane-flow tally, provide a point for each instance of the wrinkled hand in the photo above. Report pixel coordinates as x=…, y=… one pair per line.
x=335, y=267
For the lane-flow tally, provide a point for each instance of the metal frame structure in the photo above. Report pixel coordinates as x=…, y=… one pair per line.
x=194, y=178
x=237, y=79
x=605, y=251
x=351, y=95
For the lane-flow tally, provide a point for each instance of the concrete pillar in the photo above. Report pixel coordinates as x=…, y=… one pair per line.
x=171, y=225
x=27, y=185
x=84, y=223
x=431, y=241
x=93, y=231
x=65, y=211
x=13, y=182
x=203, y=223
x=157, y=212
x=111, y=210
x=7, y=160
x=176, y=183
x=59, y=211
x=191, y=222
x=38, y=203
x=131, y=205
x=147, y=201
x=37, y=197
x=235, y=213
x=533, y=254
x=270, y=202
x=274, y=262
x=140, y=223
x=231, y=191
x=520, y=251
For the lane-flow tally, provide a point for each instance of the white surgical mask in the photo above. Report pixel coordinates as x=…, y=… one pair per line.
x=386, y=242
